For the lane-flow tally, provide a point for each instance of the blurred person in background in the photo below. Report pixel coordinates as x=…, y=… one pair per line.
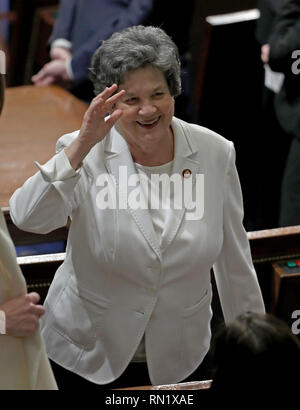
x=284, y=57
x=23, y=361
x=82, y=25
x=275, y=141
x=256, y=355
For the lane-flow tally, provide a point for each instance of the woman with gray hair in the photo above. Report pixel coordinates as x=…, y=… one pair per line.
x=154, y=204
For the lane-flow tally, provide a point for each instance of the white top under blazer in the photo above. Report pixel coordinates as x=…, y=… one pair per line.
x=117, y=282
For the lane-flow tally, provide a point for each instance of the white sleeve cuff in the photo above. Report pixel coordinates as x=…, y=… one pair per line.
x=57, y=168
x=61, y=42
x=2, y=323
x=2, y=62
x=273, y=79
x=69, y=69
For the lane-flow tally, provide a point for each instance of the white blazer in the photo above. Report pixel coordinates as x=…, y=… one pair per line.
x=23, y=361
x=117, y=283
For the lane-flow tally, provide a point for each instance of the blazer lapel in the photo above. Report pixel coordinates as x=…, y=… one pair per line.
x=185, y=159
x=119, y=163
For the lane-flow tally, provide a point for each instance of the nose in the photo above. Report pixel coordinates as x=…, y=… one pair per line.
x=147, y=109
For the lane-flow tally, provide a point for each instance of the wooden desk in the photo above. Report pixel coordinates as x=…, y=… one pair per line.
x=33, y=119
x=273, y=244
x=198, y=385
x=269, y=246
x=286, y=290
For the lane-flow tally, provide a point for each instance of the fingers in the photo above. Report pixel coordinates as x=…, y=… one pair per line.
x=35, y=309
x=107, y=98
x=34, y=297
x=52, y=72
x=37, y=77
x=114, y=117
x=45, y=82
x=40, y=75
x=38, y=310
x=42, y=78
x=103, y=104
x=23, y=314
x=107, y=92
x=96, y=124
x=112, y=100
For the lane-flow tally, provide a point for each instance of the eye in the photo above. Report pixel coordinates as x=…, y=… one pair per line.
x=131, y=100
x=158, y=93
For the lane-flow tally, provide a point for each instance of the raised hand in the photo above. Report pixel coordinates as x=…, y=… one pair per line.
x=95, y=125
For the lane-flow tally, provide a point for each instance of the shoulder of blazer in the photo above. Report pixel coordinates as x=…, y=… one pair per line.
x=204, y=139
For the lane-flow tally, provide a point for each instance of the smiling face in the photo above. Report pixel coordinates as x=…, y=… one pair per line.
x=148, y=108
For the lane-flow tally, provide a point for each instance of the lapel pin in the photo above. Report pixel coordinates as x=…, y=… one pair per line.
x=186, y=173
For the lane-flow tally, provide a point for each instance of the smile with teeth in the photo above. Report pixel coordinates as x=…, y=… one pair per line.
x=148, y=124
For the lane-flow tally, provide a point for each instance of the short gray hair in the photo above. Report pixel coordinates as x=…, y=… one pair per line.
x=133, y=48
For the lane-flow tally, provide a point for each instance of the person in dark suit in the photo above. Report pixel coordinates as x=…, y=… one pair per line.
x=268, y=12
x=274, y=141
x=284, y=57
x=82, y=25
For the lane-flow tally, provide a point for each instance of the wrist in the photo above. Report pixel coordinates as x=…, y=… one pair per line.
x=84, y=143
x=77, y=151
x=61, y=43
x=69, y=70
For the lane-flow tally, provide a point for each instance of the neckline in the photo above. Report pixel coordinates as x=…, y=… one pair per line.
x=150, y=168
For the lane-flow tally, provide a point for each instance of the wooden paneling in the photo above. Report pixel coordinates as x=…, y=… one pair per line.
x=32, y=120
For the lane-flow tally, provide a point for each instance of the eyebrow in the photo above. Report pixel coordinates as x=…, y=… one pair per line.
x=131, y=94
x=128, y=94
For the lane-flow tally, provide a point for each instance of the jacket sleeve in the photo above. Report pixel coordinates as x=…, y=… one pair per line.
x=235, y=275
x=49, y=197
x=64, y=21
x=134, y=14
x=285, y=36
x=268, y=9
